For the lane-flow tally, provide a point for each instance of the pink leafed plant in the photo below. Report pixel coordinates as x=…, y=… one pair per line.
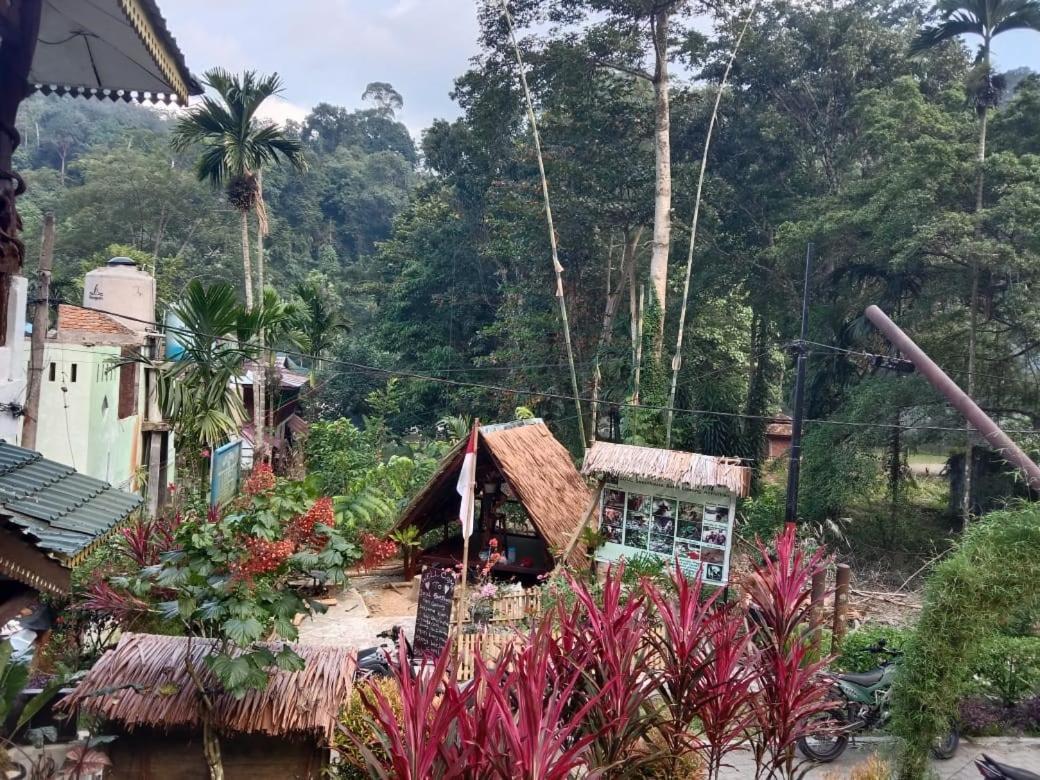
x=605, y=637
x=684, y=654
x=522, y=725
x=424, y=740
x=146, y=540
x=730, y=680
x=791, y=687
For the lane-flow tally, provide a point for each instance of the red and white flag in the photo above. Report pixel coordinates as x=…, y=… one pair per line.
x=468, y=483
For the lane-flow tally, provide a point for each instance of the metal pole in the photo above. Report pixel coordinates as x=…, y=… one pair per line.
x=41, y=320
x=794, y=466
x=960, y=400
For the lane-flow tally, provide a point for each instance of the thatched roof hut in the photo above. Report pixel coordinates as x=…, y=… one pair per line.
x=670, y=468
x=142, y=688
x=532, y=499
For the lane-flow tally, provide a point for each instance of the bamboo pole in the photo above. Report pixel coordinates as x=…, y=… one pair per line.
x=677, y=358
x=557, y=268
x=465, y=559
x=589, y=511
x=819, y=590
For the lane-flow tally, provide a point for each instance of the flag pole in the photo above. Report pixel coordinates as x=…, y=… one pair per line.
x=466, y=533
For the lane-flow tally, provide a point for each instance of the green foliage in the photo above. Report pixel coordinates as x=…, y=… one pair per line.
x=762, y=516
x=1006, y=668
x=226, y=578
x=968, y=597
x=642, y=425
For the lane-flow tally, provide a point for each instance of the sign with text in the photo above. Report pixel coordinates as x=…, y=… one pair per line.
x=225, y=473
x=433, y=617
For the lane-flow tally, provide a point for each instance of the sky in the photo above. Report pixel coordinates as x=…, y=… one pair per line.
x=329, y=50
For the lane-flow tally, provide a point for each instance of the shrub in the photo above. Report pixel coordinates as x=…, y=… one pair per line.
x=873, y=768
x=1008, y=668
x=854, y=656
x=983, y=717
x=356, y=721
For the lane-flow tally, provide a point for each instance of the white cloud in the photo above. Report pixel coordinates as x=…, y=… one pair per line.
x=278, y=109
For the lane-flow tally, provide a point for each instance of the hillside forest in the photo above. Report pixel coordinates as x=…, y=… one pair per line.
x=434, y=248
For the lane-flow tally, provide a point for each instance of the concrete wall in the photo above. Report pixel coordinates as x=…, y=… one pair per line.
x=13, y=360
x=79, y=417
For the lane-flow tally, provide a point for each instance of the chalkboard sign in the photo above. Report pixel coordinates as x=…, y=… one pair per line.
x=433, y=618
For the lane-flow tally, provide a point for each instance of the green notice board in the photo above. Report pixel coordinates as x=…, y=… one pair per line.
x=225, y=473
x=695, y=528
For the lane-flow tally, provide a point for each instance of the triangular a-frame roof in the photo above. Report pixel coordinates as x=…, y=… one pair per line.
x=537, y=467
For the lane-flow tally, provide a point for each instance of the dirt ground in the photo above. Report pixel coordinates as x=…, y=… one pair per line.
x=368, y=605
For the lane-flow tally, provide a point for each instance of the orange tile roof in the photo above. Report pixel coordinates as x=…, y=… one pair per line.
x=75, y=318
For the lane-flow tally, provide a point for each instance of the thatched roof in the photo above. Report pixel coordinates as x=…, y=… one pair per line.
x=143, y=683
x=682, y=470
x=537, y=467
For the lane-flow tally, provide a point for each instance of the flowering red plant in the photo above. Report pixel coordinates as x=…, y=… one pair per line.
x=261, y=481
x=791, y=688
x=375, y=551
x=304, y=530
x=261, y=556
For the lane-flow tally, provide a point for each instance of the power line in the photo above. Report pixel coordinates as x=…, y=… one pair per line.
x=410, y=374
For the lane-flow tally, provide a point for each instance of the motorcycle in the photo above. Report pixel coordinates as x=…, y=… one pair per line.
x=993, y=770
x=861, y=703
x=376, y=661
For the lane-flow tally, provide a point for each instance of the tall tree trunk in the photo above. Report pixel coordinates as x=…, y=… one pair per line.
x=211, y=750
x=662, y=171
x=610, y=308
x=973, y=302
x=260, y=378
x=247, y=263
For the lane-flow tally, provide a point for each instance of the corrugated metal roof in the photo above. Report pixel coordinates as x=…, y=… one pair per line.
x=62, y=510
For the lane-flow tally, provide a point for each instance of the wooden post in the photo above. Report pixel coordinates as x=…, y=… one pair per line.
x=465, y=565
x=841, y=606
x=39, y=335
x=590, y=510
x=819, y=589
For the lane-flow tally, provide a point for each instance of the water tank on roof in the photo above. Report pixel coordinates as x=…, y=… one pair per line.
x=124, y=291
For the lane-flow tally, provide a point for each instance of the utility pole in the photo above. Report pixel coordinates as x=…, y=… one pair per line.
x=794, y=466
x=41, y=320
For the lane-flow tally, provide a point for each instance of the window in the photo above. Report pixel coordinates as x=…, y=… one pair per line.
x=127, y=390
x=52, y=372
x=72, y=374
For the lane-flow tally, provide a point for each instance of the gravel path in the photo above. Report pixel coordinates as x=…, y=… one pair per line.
x=1020, y=752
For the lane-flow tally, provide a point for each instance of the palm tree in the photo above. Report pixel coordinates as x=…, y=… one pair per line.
x=196, y=390
x=318, y=320
x=985, y=19
x=236, y=147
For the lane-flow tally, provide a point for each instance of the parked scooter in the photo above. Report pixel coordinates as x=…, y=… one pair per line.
x=994, y=770
x=861, y=703
x=376, y=661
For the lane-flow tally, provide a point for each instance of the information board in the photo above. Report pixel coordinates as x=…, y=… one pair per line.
x=225, y=470
x=645, y=520
x=433, y=617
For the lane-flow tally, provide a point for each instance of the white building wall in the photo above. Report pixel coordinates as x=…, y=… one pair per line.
x=13, y=358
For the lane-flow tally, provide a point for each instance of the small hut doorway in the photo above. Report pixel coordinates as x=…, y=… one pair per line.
x=529, y=499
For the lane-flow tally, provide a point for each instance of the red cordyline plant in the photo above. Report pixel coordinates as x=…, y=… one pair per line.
x=683, y=654
x=424, y=741
x=605, y=639
x=730, y=680
x=520, y=726
x=146, y=540
x=791, y=688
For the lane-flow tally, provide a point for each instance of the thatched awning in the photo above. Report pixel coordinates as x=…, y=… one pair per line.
x=537, y=467
x=143, y=683
x=671, y=468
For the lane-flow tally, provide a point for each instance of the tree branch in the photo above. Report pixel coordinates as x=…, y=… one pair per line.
x=638, y=73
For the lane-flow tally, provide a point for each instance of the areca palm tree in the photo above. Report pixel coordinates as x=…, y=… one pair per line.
x=317, y=320
x=236, y=146
x=985, y=19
